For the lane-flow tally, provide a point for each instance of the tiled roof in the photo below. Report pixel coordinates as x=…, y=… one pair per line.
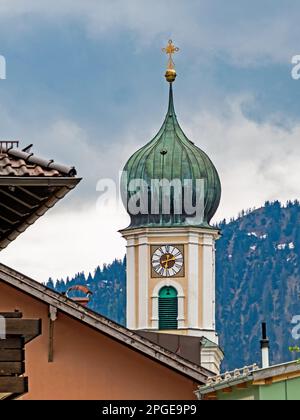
x=252, y=374
x=16, y=162
x=29, y=186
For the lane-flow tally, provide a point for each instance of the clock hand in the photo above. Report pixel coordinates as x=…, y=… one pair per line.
x=167, y=261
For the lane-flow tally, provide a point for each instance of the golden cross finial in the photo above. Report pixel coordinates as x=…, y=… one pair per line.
x=170, y=50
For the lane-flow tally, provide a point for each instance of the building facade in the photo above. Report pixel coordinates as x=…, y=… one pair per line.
x=171, y=191
x=275, y=383
x=81, y=355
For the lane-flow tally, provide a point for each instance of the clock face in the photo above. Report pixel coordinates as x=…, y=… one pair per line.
x=167, y=261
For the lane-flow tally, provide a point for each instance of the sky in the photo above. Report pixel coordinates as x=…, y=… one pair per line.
x=84, y=83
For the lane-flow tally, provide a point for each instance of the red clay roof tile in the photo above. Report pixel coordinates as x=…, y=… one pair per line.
x=15, y=162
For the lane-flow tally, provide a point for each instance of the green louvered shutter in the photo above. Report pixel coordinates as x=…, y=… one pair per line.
x=168, y=309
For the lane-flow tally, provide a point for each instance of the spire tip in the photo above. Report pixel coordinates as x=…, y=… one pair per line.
x=171, y=72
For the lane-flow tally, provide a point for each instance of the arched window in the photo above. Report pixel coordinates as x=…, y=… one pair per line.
x=168, y=308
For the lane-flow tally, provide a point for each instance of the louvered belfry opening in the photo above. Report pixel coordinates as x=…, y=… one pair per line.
x=168, y=308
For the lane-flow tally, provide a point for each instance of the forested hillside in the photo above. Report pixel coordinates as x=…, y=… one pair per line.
x=108, y=285
x=258, y=278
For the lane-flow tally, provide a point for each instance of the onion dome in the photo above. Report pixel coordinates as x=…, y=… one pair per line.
x=170, y=182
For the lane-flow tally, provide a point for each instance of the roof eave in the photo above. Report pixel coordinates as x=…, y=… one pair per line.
x=64, y=185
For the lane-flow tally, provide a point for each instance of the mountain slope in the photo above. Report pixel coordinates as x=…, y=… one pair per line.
x=257, y=277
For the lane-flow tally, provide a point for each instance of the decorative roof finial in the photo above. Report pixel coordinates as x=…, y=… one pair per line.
x=171, y=72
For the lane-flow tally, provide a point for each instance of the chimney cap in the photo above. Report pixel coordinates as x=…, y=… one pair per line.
x=264, y=342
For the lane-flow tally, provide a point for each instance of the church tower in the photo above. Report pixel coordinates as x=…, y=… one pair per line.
x=171, y=191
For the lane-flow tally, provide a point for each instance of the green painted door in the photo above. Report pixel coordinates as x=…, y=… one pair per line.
x=168, y=308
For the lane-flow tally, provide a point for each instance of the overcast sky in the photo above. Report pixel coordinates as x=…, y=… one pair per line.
x=85, y=84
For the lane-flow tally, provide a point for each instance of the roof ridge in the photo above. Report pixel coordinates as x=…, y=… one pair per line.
x=46, y=163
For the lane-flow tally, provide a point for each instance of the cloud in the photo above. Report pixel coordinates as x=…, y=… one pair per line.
x=256, y=162
x=247, y=33
x=61, y=244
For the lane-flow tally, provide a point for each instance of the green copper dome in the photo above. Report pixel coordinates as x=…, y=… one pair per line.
x=170, y=157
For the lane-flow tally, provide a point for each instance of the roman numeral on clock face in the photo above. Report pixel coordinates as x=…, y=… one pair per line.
x=161, y=271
